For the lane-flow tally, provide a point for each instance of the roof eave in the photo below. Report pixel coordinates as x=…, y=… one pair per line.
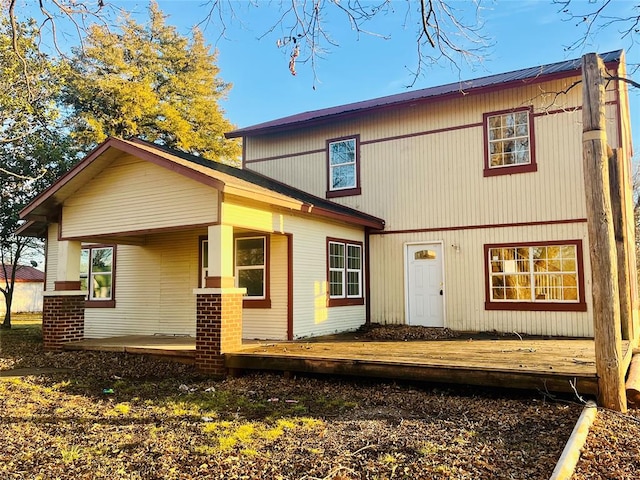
x=321, y=119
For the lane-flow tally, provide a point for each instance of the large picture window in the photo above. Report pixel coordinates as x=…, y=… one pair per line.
x=343, y=167
x=509, y=142
x=344, y=272
x=97, y=274
x=543, y=276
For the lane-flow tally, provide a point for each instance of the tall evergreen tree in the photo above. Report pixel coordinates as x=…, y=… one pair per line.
x=151, y=82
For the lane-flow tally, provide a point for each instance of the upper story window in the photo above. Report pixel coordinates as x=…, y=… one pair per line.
x=343, y=166
x=509, y=142
x=541, y=276
x=97, y=265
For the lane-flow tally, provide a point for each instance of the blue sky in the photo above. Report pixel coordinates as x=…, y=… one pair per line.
x=521, y=33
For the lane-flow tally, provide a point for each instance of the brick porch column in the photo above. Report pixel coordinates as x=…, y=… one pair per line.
x=62, y=318
x=218, y=327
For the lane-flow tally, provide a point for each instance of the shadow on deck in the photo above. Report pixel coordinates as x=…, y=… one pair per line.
x=555, y=365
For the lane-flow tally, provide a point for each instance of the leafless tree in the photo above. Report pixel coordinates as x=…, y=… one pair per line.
x=596, y=16
x=443, y=29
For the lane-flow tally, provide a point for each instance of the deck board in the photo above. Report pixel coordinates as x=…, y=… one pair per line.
x=554, y=364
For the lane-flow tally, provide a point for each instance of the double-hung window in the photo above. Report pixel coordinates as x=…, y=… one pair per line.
x=541, y=276
x=97, y=274
x=344, y=265
x=509, y=142
x=251, y=270
x=343, y=169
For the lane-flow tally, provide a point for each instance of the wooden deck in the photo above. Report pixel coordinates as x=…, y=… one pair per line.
x=549, y=365
x=179, y=348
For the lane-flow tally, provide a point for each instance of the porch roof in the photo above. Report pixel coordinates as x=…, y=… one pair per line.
x=244, y=183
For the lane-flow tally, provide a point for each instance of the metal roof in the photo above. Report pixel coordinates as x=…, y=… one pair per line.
x=527, y=75
x=24, y=273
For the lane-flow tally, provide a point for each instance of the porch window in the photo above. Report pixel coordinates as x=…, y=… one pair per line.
x=541, y=276
x=252, y=270
x=97, y=265
x=509, y=142
x=343, y=167
x=344, y=272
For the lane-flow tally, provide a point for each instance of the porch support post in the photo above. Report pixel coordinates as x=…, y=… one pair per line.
x=220, y=253
x=63, y=307
x=218, y=305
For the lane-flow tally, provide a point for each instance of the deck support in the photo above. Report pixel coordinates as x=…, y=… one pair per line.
x=218, y=327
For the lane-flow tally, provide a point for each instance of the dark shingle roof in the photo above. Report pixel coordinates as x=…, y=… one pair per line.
x=526, y=75
x=266, y=182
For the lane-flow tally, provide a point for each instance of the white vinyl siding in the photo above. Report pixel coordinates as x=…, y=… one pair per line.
x=134, y=195
x=271, y=323
x=311, y=314
x=465, y=273
x=155, y=285
x=436, y=180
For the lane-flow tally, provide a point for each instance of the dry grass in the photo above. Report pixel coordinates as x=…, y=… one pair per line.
x=164, y=421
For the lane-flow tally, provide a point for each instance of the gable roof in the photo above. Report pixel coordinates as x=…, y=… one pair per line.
x=45, y=207
x=24, y=273
x=458, y=89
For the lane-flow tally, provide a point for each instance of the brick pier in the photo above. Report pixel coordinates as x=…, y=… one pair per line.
x=62, y=320
x=218, y=329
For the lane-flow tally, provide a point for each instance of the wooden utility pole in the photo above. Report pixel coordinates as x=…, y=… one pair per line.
x=619, y=215
x=602, y=245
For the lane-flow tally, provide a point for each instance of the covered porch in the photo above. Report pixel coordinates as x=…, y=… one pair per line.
x=554, y=365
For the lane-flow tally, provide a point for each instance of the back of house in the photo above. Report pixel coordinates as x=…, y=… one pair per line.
x=480, y=185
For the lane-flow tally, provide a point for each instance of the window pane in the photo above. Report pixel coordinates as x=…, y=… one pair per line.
x=342, y=152
x=554, y=277
x=250, y=251
x=101, y=286
x=252, y=280
x=336, y=255
x=84, y=262
x=353, y=257
x=509, y=139
x=353, y=284
x=101, y=261
x=205, y=254
x=336, y=283
x=343, y=176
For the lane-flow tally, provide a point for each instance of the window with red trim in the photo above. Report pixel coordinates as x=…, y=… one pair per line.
x=538, y=276
x=509, y=142
x=343, y=167
x=97, y=274
x=344, y=272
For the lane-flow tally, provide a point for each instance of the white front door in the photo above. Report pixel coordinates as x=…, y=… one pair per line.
x=425, y=287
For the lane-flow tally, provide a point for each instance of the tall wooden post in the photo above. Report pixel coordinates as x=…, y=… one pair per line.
x=602, y=246
x=619, y=215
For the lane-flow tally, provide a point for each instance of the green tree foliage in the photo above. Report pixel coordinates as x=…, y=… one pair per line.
x=150, y=82
x=33, y=150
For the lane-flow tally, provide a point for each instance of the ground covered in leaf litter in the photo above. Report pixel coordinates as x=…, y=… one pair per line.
x=122, y=416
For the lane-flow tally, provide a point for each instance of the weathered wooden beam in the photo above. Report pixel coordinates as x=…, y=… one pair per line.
x=633, y=382
x=619, y=215
x=552, y=382
x=602, y=246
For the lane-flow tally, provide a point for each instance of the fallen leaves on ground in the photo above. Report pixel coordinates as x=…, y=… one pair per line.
x=120, y=416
